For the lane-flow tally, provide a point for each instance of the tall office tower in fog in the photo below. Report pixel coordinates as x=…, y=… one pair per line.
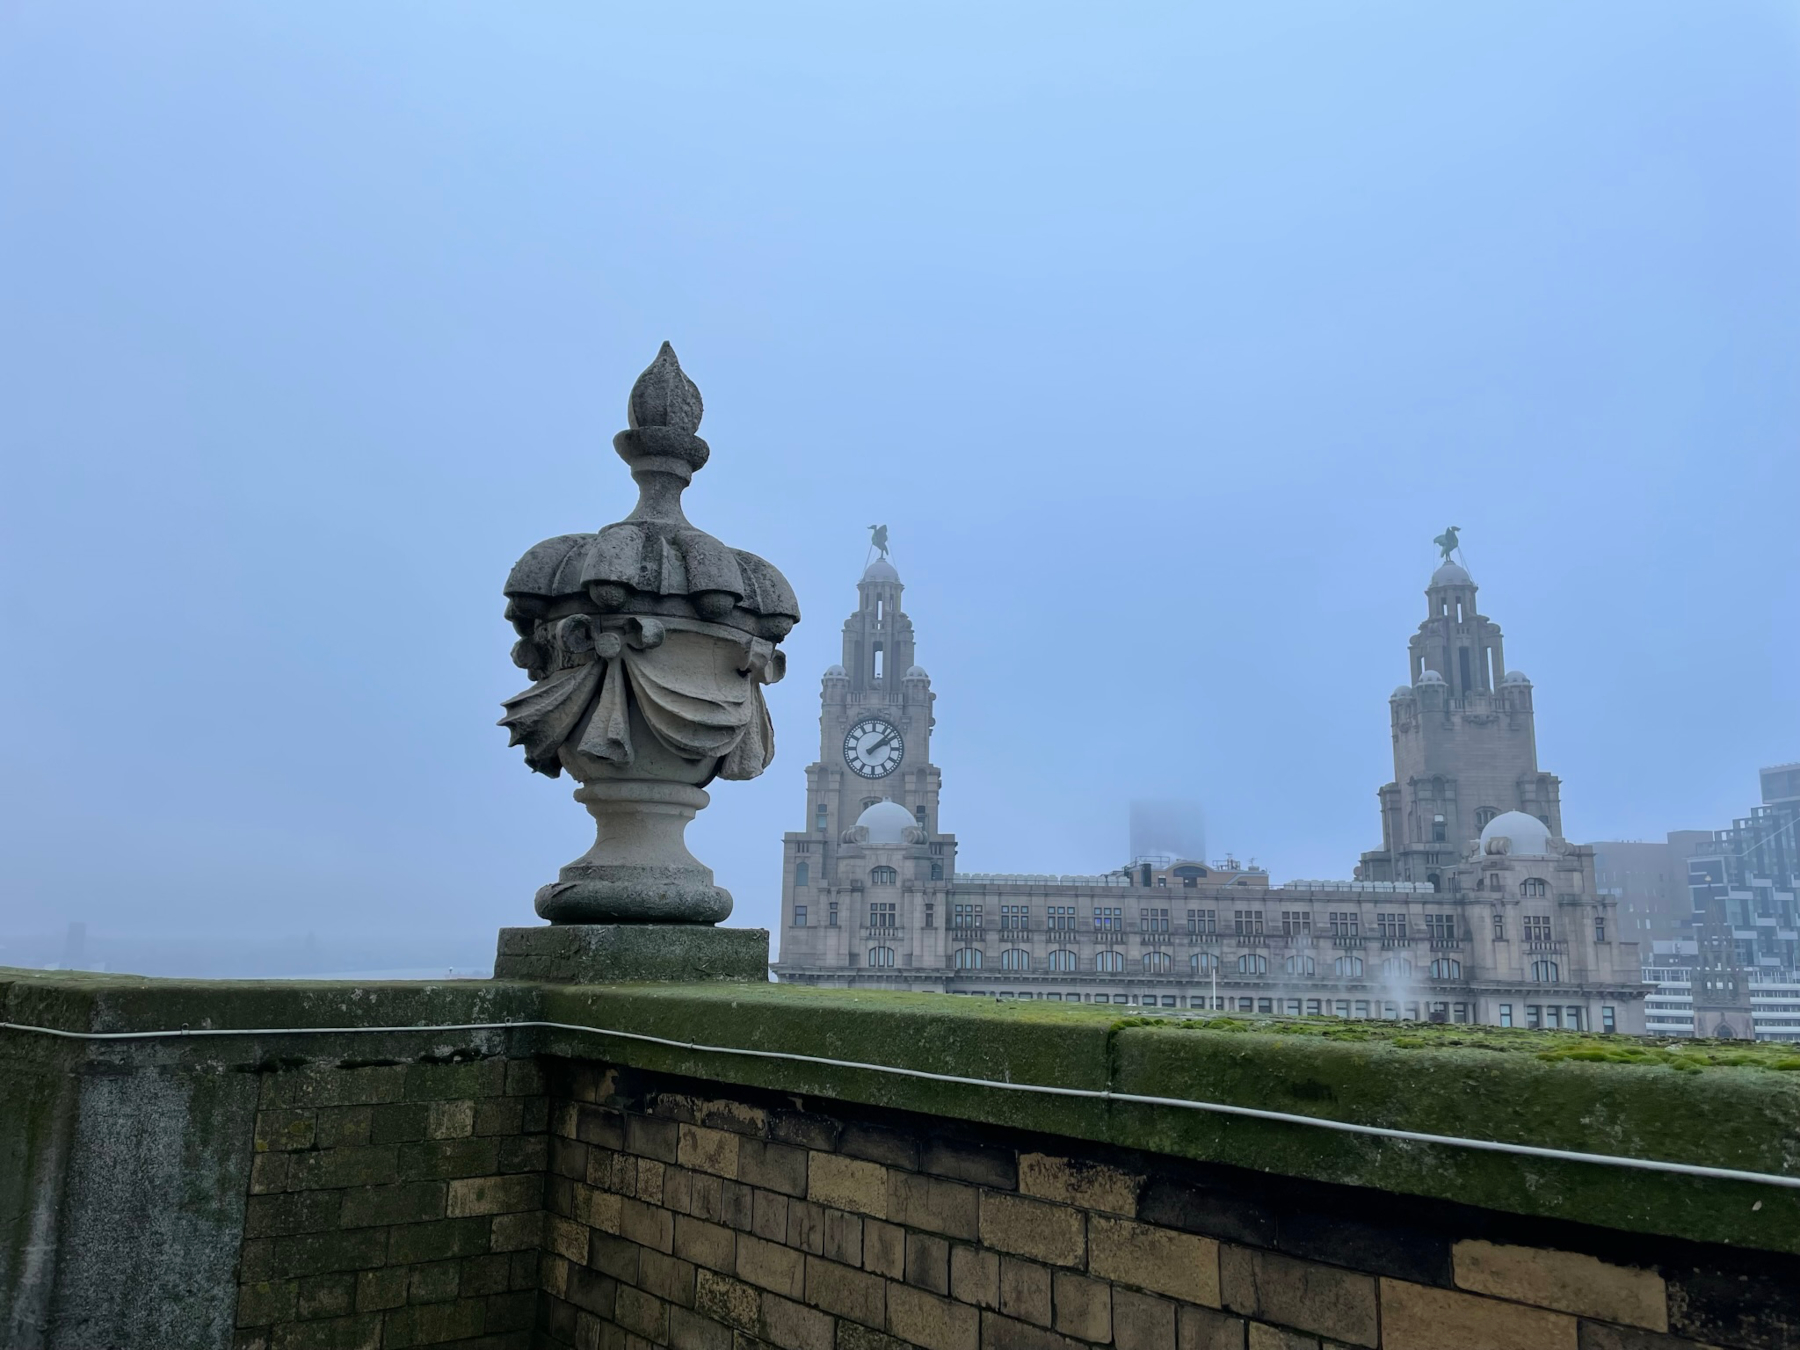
x=1164, y=832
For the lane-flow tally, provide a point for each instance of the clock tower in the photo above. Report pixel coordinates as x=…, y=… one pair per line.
x=862, y=882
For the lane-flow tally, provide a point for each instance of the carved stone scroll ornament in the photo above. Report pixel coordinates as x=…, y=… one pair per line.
x=648, y=644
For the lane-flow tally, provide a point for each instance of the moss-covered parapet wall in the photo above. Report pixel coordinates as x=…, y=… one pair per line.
x=1727, y=1106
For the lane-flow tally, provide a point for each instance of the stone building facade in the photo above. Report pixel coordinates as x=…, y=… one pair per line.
x=1475, y=910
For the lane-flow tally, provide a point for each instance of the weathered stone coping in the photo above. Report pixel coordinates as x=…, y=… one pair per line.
x=1714, y=1105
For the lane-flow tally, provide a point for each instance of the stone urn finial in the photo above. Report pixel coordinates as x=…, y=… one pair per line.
x=648, y=644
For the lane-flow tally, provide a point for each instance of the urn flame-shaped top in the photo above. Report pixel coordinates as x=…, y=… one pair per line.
x=665, y=397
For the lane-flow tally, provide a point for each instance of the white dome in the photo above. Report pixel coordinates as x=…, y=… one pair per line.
x=1430, y=677
x=880, y=570
x=1526, y=835
x=1404, y=691
x=887, y=822
x=1515, y=677
x=1451, y=575
x=916, y=673
x=836, y=673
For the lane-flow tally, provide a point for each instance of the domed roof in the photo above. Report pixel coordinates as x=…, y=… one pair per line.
x=1451, y=575
x=915, y=673
x=880, y=570
x=1404, y=691
x=1516, y=677
x=887, y=822
x=1525, y=834
x=1430, y=677
x=835, y=672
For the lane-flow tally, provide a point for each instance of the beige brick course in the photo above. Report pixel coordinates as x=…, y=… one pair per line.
x=1325, y=1300
x=928, y=1262
x=794, y=1326
x=855, y=1294
x=1089, y=1185
x=1564, y=1281
x=922, y=1318
x=1141, y=1322
x=1025, y=1290
x=975, y=1276
x=1417, y=1317
x=1204, y=1329
x=1265, y=1337
x=647, y=1225
x=669, y=1278
x=494, y=1195
x=848, y=1183
x=931, y=1203
x=727, y=1300
x=708, y=1150
x=781, y=1270
x=705, y=1244
x=884, y=1249
x=1055, y=1234
x=1003, y=1333
x=1082, y=1307
x=1179, y=1264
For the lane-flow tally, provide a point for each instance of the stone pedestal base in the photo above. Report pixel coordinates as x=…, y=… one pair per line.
x=604, y=953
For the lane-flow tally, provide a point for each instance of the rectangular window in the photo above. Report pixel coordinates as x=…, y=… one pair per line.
x=1390, y=926
x=1153, y=920
x=1296, y=923
x=1246, y=1005
x=1109, y=917
x=819, y=820
x=1534, y=1016
x=1412, y=1012
x=1440, y=927
x=831, y=915
x=1293, y=1007
x=1572, y=1018
x=1459, y=1012
x=1249, y=922
x=1343, y=1007
x=1362, y=1007
x=1265, y=1005
x=1599, y=928
x=1608, y=1022
x=1015, y=916
x=1203, y=922
x=1312, y=1007
x=1499, y=926
x=1062, y=916
x=881, y=914
x=799, y=916
x=930, y=915
x=1343, y=923
x=965, y=916
x=1506, y=1014
x=1537, y=927
x=1553, y=1017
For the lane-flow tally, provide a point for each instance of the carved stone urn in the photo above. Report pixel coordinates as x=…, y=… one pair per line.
x=648, y=644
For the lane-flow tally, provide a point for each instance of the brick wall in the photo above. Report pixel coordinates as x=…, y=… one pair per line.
x=394, y=1205
x=696, y=1219
x=507, y=1204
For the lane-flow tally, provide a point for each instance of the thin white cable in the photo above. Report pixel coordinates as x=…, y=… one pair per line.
x=1182, y=1103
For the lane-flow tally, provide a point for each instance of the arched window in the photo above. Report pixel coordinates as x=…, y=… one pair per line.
x=1534, y=886
x=1437, y=882
x=1202, y=963
x=1015, y=958
x=1298, y=965
x=968, y=958
x=1347, y=965
x=1158, y=963
x=881, y=956
x=802, y=874
x=1396, y=965
x=883, y=876
x=1109, y=961
x=1253, y=963
x=1446, y=968
x=1483, y=816
x=1544, y=972
x=1062, y=960
x=937, y=871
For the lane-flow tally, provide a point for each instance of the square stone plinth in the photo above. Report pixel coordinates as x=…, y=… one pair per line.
x=602, y=953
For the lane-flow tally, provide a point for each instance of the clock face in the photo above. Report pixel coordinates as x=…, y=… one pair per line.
x=872, y=748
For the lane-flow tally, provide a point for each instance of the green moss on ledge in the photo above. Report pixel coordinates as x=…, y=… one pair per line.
x=1715, y=1104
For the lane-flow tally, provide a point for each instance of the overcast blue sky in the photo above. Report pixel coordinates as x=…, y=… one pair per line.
x=1163, y=337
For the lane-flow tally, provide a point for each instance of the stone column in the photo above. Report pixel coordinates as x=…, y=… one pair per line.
x=648, y=644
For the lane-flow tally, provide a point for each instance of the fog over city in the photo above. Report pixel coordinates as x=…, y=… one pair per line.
x=1164, y=341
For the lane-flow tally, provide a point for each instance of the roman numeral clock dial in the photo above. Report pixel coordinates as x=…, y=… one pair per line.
x=873, y=748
